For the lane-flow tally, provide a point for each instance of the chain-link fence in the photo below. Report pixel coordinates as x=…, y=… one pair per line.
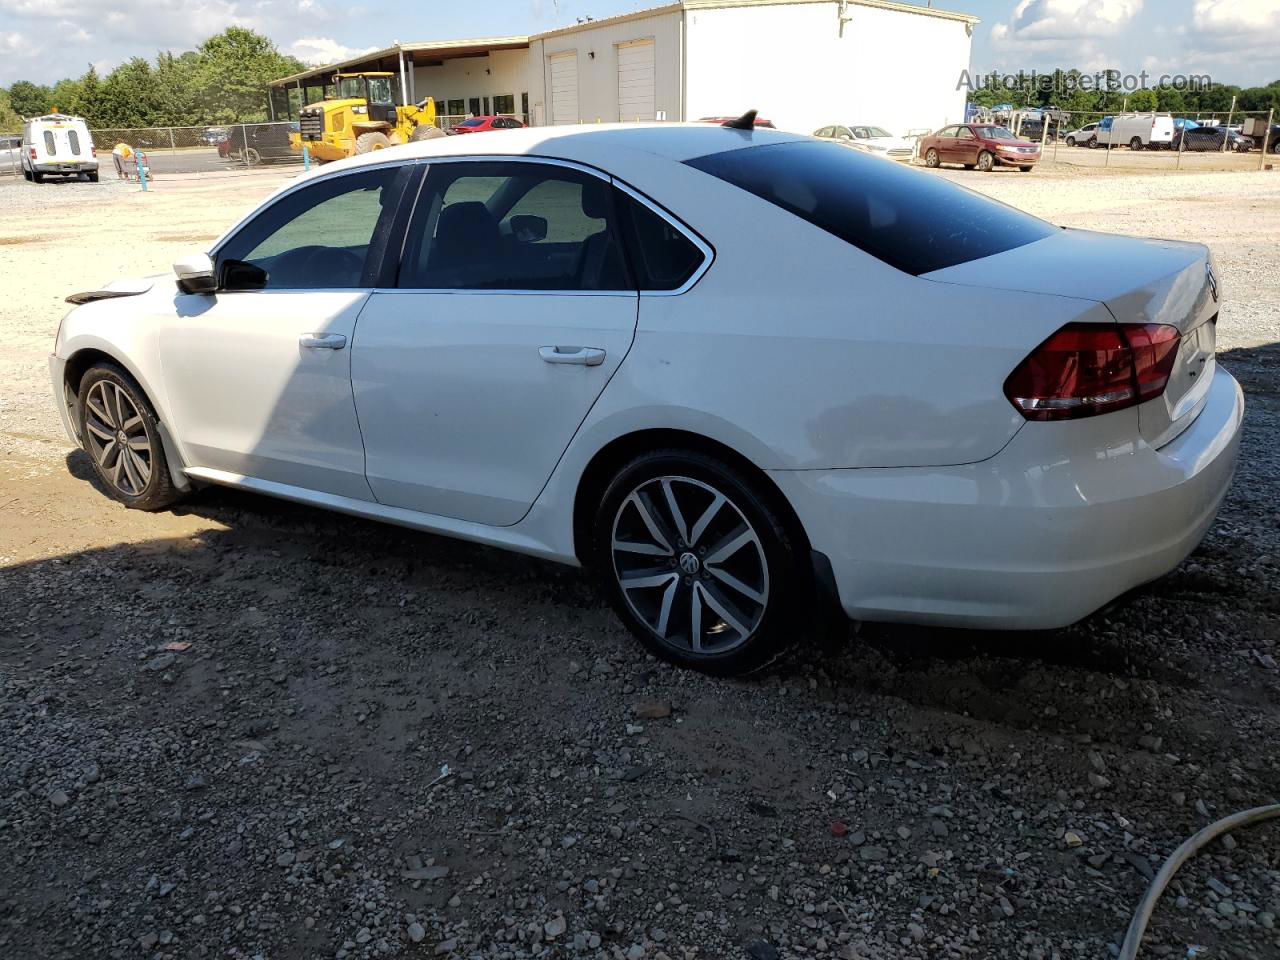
x=1223, y=140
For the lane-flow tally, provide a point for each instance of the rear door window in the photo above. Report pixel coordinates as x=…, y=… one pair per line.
x=663, y=256
x=73, y=138
x=49, y=146
x=909, y=220
x=498, y=225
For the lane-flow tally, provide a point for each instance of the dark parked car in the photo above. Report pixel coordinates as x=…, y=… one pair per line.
x=1208, y=139
x=266, y=141
x=981, y=145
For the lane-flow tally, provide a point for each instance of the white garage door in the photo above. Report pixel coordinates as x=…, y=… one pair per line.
x=635, y=81
x=564, y=87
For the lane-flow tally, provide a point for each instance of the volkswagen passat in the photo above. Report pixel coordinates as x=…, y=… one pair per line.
x=733, y=372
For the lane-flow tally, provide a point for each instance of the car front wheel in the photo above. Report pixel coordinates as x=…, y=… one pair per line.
x=985, y=161
x=118, y=428
x=1071, y=141
x=698, y=563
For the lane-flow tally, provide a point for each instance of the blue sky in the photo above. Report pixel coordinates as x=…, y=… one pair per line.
x=1235, y=41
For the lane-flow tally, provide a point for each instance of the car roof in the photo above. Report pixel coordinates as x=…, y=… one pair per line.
x=591, y=144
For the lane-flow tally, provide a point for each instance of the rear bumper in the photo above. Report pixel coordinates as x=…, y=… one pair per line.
x=1060, y=522
x=80, y=166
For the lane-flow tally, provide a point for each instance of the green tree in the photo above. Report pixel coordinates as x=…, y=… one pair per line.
x=29, y=99
x=1142, y=101
x=234, y=70
x=10, y=119
x=175, y=79
x=129, y=97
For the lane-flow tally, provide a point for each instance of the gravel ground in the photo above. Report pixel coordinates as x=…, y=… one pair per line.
x=245, y=728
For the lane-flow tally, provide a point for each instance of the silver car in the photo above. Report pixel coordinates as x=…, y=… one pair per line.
x=10, y=153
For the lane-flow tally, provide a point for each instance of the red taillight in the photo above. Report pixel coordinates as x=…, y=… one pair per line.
x=33, y=153
x=94, y=152
x=1085, y=369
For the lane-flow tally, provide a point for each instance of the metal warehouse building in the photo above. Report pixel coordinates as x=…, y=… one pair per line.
x=801, y=63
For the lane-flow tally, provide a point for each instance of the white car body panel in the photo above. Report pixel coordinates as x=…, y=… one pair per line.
x=417, y=361
x=871, y=398
x=246, y=397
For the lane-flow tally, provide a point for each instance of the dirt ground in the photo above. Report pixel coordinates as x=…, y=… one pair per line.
x=244, y=728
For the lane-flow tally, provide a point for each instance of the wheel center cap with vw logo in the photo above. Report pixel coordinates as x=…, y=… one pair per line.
x=689, y=563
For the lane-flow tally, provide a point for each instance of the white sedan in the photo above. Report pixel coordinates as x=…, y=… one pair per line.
x=735, y=373
x=874, y=140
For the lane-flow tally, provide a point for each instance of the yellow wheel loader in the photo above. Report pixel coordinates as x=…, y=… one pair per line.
x=362, y=117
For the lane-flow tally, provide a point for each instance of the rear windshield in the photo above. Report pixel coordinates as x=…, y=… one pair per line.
x=911, y=220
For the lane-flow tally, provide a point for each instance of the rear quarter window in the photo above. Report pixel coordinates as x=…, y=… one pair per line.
x=911, y=220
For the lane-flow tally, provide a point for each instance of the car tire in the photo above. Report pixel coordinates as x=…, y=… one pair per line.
x=251, y=156
x=37, y=176
x=1093, y=143
x=110, y=406
x=428, y=131
x=374, y=140
x=931, y=158
x=726, y=616
x=1025, y=169
x=986, y=162
x=1071, y=141
x=1135, y=143
x=93, y=177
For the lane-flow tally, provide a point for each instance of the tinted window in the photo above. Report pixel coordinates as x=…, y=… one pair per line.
x=317, y=237
x=514, y=226
x=74, y=139
x=473, y=122
x=906, y=218
x=663, y=257
x=49, y=148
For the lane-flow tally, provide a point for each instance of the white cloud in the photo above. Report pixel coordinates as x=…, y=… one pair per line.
x=1053, y=21
x=142, y=27
x=1237, y=24
x=318, y=51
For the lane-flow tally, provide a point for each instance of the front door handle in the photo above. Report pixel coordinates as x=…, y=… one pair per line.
x=583, y=356
x=322, y=341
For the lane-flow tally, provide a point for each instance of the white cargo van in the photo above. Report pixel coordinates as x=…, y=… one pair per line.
x=1140, y=131
x=58, y=145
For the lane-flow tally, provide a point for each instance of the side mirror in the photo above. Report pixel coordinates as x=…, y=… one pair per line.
x=242, y=275
x=195, y=273
x=529, y=229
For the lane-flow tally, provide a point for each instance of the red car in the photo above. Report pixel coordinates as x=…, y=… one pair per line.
x=981, y=145
x=484, y=124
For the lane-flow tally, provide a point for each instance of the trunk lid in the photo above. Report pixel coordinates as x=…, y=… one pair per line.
x=1139, y=281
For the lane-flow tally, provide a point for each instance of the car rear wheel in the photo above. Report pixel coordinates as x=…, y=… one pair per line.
x=251, y=156
x=119, y=431
x=931, y=158
x=1135, y=143
x=698, y=563
x=985, y=161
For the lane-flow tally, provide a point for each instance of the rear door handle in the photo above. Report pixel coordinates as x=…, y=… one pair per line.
x=322, y=341
x=582, y=356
